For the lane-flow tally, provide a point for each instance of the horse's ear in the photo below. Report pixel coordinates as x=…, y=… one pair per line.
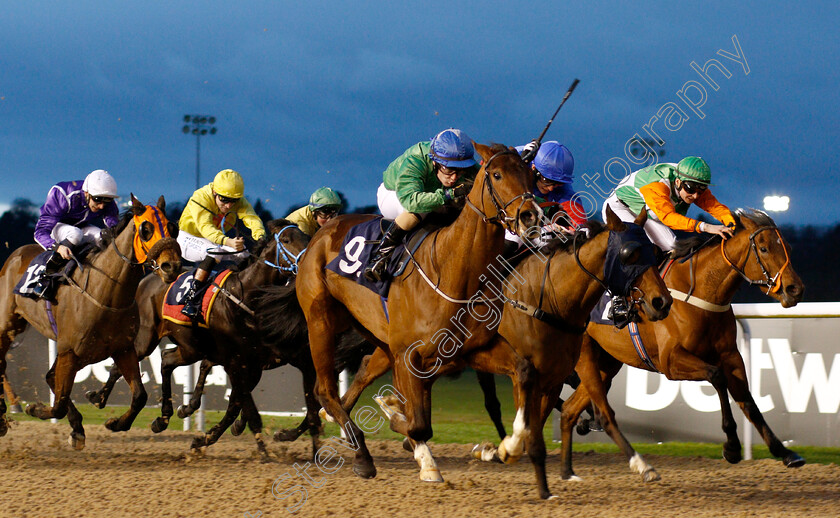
x=161, y=204
x=136, y=206
x=613, y=222
x=641, y=218
x=482, y=150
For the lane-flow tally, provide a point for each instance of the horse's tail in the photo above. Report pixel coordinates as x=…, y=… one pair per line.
x=280, y=320
x=350, y=348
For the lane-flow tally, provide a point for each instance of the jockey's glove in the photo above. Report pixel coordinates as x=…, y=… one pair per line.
x=530, y=150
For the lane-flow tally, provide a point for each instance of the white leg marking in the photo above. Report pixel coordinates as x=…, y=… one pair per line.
x=511, y=447
x=429, y=471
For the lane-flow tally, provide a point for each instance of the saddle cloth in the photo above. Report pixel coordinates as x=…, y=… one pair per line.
x=358, y=247
x=172, y=304
x=26, y=284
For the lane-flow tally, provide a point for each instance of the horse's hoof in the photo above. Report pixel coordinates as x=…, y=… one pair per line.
x=237, y=427
x=285, y=435
x=583, y=427
x=76, y=441
x=32, y=408
x=552, y=497
x=732, y=456
x=325, y=416
x=506, y=456
x=15, y=409
x=571, y=478
x=650, y=475
x=184, y=411
x=113, y=424
x=160, y=424
x=793, y=460
x=364, y=470
x=485, y=451
x=198, y=443
x=407, y=445
x=95, y=399
x=431, y=475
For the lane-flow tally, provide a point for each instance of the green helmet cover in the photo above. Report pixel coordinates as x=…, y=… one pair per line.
x=695, y=169
x=324, y=197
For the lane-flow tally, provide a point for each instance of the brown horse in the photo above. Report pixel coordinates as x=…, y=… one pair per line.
x=538, y=349
x=698, y=341
x=232, y=339
x=456, y=256
x=94, y=315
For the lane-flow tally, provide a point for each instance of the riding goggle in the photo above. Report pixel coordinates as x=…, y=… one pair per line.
x=225, y=199
x=541, y=178
x=101, y=199
x=325, y=213
x=692, y=187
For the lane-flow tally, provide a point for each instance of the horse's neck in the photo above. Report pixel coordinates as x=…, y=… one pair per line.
x=111, y=279
x=714, y=280
x=462, y=251
x=569, y=292
x=256, y=274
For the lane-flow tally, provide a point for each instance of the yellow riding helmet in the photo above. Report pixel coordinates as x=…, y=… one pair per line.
x=229, y=183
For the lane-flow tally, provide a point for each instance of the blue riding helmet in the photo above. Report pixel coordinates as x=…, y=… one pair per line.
x=554, y=161
x=452, y=148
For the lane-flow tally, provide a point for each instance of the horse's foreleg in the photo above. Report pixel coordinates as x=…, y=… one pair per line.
x=170, y=360
x=201, y=442
x=185, y=411
x=77, y=436
x=373, y=367
x=491, y=401
x=255, y=424
x=593, y=390
x=735, y=371
x=682, y=365
x=128, y=364
x=99, y=398
x=63, y=374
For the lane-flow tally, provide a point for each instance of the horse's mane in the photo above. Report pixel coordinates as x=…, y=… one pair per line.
x=687, y=246
x=125, y=219
x=282, y=327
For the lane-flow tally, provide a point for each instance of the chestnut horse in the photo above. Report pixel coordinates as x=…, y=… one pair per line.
x=455, y=256
x=698, y=341
x=538, y=349
x=231, y=340
x=95, y=316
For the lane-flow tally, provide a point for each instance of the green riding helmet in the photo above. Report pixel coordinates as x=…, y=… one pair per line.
x=694, y=169
x=324, y=197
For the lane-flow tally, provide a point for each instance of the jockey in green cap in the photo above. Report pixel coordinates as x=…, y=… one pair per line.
x=667, y=191
x=324, y=205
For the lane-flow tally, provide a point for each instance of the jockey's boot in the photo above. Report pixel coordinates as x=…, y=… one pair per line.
x=45, y=287
x=385, y=249
x=192, y=301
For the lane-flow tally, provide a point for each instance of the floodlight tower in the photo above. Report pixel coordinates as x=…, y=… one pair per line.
x=199, y=125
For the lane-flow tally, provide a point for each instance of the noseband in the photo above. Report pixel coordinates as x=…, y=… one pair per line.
x=501, y=217
x=772, y=283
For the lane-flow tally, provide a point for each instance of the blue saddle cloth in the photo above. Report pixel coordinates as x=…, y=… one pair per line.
x=356, y=251
x=35, y=271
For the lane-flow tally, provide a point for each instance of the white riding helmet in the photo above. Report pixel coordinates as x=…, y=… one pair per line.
x=100, y=183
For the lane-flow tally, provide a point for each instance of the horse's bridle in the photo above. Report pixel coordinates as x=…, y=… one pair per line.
x=291, y=259
x=501, y=217
x=773, y=283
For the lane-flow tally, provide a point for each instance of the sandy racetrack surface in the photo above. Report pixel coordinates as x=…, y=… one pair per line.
x=140, y=474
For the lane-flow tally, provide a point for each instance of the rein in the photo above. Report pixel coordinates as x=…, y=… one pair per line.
x=501, y=217
x=772, y=283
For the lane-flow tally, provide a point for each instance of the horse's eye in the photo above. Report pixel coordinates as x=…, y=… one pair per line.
x=763, y=249
x=497, y=176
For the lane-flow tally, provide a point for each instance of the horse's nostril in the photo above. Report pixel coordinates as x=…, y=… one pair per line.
x=658, y=303
x=792, y=290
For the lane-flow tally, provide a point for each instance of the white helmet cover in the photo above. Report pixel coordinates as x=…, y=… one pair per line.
x=100, y=183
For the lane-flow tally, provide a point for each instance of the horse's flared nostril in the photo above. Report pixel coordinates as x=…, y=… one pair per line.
x=793, y=290
x=659, y=303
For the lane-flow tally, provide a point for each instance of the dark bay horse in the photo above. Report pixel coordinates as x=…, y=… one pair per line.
x=456, y=257
x=698, y=341
x=231, y=340
x=95, y=315
x=539, y=353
